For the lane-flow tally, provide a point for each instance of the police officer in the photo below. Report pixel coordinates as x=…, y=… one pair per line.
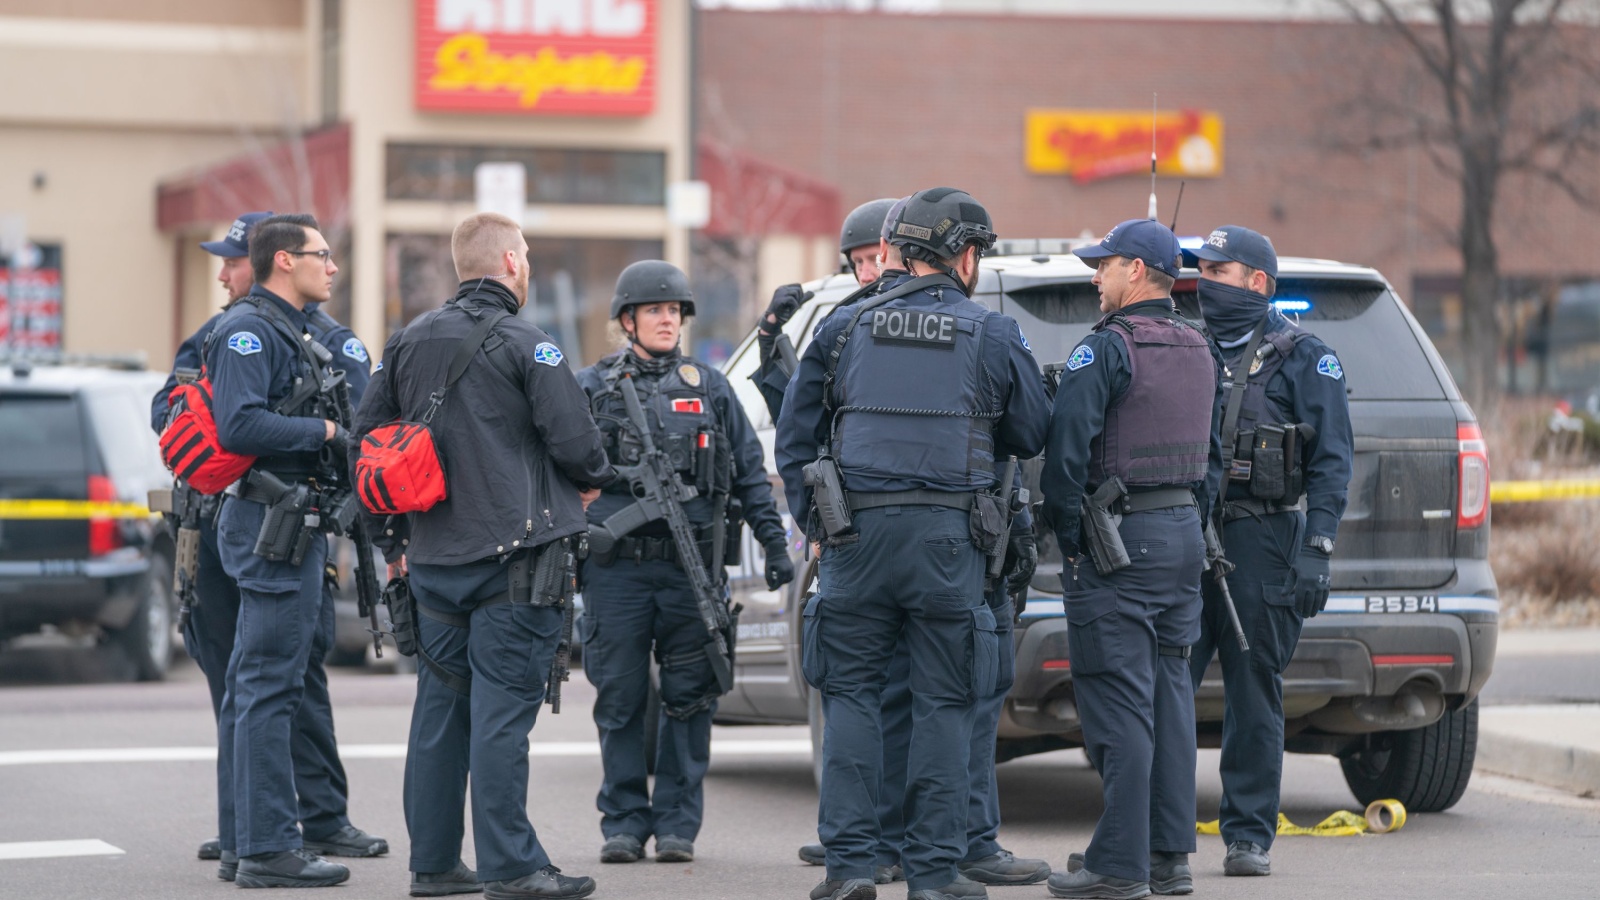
x=1136, y=413
x=1278, y=526
x=320, y=781
x=908, y=399
x=522, y=458
x=636, y=594
x=260, y=353
x=859, y=239
x=985, y=860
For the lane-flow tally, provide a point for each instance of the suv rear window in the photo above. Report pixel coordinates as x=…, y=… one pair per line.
x=40, y=434
x=1361, y=321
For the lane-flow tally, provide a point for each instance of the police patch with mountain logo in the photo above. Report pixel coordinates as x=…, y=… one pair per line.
x=1329, y=366
x=1080, y=357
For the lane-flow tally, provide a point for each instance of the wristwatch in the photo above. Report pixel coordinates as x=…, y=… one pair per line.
x=1321, y=543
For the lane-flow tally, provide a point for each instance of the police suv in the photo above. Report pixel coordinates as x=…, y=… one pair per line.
x=1386, y=678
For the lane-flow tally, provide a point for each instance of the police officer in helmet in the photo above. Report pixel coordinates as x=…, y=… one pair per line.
x=891, y=430
x=637, y=596
x=985, y=860
x=859, y=242
x=320, y=781
x=1279, y=515
x=1134, y=430
x=268, y=543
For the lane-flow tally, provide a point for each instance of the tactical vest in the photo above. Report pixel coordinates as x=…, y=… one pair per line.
x=306, y=398
x=1159, y=431
x=676, y=398
x=1255, y=408
x=913, y=402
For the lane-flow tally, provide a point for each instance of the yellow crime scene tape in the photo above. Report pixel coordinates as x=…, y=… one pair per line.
x=1532, y=491
x=1382, y=817
x=72, y=509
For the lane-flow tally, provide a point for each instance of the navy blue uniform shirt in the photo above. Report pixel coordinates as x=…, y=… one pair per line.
x=1082, y=399
x=1011, y=369
x=252, y=365
x=349, y=357
x=1310, y=388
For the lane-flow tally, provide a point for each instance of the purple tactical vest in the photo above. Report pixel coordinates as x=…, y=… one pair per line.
x=1159, y=431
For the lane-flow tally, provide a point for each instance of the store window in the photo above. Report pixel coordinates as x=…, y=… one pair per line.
x=444, y=173
x=569, y=295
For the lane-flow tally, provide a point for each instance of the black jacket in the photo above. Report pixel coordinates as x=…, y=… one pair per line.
x=515, y=432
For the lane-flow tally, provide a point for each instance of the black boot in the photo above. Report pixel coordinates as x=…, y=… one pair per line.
x=289, y=868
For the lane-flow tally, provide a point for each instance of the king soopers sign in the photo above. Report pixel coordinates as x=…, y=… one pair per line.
x=569, y=57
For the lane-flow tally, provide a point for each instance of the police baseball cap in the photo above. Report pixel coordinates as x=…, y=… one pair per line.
x=237, y=242
x=1235, y=243
x=1146, y=240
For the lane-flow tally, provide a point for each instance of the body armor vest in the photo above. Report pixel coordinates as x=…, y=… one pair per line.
x=306, y=399
x=675, y=393
x=1159, y=431
x=913, y=400
x=1255, y=408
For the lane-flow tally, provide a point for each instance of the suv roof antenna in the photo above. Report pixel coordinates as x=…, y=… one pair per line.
x=1152, y=214
x=1177, y=205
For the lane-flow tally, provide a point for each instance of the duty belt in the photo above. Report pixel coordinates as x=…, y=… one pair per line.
x=860, y=500
x=1233, y=510
x=1157, y=498
x=649, y=549
x=244, y=490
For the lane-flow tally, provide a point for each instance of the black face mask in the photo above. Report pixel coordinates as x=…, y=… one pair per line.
x=1231, y=313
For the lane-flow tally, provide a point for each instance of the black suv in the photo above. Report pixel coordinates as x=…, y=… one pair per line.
x=82, y=433
x=1386, y=679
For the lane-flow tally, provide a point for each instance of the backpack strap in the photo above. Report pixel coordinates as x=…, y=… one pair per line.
x=464, y=353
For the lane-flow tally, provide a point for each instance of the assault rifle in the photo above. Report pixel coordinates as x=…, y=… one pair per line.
x=354, y=524
x=661, y=494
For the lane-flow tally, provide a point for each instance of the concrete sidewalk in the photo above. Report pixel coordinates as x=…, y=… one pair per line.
x=1553, y=743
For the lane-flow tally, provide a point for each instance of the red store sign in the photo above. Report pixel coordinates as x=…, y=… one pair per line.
x=568, y=57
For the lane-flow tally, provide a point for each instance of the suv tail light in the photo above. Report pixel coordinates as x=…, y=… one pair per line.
x=103, y=534
x=1472, y=463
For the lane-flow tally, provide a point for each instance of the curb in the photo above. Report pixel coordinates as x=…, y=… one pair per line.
x=1569, y=768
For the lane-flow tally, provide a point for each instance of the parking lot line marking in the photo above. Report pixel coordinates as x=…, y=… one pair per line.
x=800, y=747
x=57, y=849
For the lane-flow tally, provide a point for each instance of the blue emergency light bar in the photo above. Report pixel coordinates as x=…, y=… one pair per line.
x=1292, y=305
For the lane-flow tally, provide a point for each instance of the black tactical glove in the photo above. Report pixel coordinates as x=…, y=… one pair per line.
x=780, y=571
x=1311, y=582
x=1022, y=558
x=339, y=444
x=785, y=301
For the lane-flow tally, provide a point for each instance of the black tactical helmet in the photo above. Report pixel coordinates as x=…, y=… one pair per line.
x=652, y=281
x=863, y=225
x=938, y=223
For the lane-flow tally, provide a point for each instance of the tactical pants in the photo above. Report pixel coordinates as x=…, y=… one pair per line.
x=1137, y=702
x=983, y=799
x=506, y=649
x=913, y=575
x=282, y=609
x=1264, y=551
x=319, y=778
x=631, y=608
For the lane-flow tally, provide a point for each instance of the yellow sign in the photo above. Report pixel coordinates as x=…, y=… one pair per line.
x=1093, y=144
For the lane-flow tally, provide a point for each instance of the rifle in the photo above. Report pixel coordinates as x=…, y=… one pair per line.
x=661, y=494
x=788, y=360
x=1219, y=567
x=354, y=524
x=185, y=506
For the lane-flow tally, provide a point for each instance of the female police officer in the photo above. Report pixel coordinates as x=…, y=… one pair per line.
x=638, y=596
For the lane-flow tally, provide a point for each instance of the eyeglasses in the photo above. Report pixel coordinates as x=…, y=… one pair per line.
x=324, y=254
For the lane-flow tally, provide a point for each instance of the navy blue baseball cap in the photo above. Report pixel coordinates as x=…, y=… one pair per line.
x=237, y=243
x=1146, y=240
x=1236, y=243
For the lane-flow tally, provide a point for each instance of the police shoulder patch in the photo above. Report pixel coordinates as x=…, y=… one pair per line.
x=547, y=353
x=244, y=343
x=1329, y=365
x=1025, y=345
x=1082, y=356
x=356, y=350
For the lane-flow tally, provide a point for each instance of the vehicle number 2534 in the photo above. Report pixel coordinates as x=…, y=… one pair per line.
x=1403, y=604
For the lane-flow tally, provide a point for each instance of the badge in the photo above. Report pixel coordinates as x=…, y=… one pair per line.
x=1080, y=357
x=1329, y=366
x=1255, y=364
x=379, y=367
x=1025, y=345
x=244, y=343
x=547, y=353
x=354, y=349
x=689, y=374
